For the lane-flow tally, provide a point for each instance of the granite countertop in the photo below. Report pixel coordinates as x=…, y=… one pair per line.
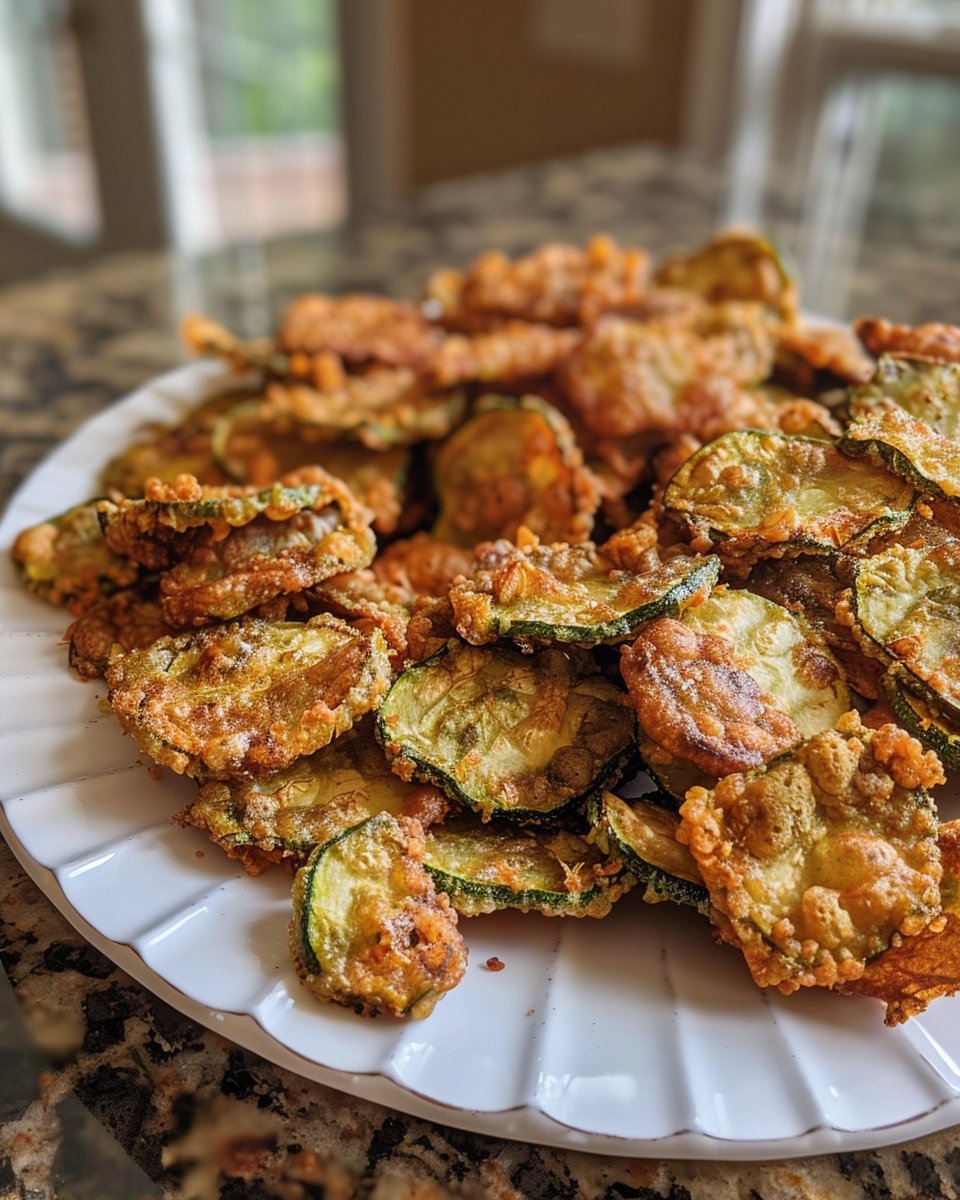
x=104, y=1090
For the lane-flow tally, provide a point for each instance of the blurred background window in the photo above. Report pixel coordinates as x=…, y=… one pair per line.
x=247, y=98
x=46, y=167
x=203, y=124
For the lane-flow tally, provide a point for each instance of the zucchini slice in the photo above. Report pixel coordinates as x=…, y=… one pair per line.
x=736, y=682
x=255, y=448
x=515, y=462
x=126, y=620
x=150, y=530
x=818, y=862
x=755, y=494
x=906, y=608
x=909, y=446
x=66, y=560
x=505, y=733
x=484, y=866
x=733, y=266
x=383, y=407
x=924, y=722
x=645, y=836
x=571, y=594
x=922, y=387
x=673, y=776
x=248, y=697
x=369, y=929
x=285, y=815
x=220, y=578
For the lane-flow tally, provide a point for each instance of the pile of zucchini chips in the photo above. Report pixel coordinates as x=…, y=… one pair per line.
x=414, y=593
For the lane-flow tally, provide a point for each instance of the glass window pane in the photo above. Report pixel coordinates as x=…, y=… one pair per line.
x=46, y=168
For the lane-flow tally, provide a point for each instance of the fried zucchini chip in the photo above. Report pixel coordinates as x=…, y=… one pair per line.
x=932, y=340
x=644, y=834
x=485, y=866
x=128, y=620
x=369, y=930
x=515, y=353
x=626, y=378
x=381, y=408
x=66, y=560
x=507, y=734
x=753, y=495
x=819, y=862
x=256, y=447
x=358, y=328
x=904, y=609
x=734, y=266
x=807, y=352
x=555, y=285
x=737, y=681
x=924, y=721
x=249, y=697
x=812, y=586
x=515, y=462
x=224, y=551
x=916, y=970
x=923, y=388
x=284, y=815
x=538, y=593
x=909, y=446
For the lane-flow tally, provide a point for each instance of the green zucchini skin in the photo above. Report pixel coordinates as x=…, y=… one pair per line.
x=904, y=608
x=641, y=832
x=369, y=930
x=594, y=590
x=924, y=721
x=445, y=720
x=469, y=859
x=922, y=387
x=756, y=493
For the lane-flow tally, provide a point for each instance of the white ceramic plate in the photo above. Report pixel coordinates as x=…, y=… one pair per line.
x=633, y=1035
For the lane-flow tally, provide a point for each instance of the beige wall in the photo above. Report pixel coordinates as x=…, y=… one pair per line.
x=487, y=87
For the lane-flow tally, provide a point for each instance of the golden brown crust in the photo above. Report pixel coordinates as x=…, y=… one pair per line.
x=421, y=566
x=831, y=348
x=358, y=328
x=931, y=340
x=695, y=701
x=555, y=284
x=917, y=970
x=127, y=620
x=822, y=860
x=517, y=352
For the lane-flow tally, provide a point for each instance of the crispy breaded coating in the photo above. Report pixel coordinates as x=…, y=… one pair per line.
x=358, y=328
x=375, y=934
x=695, y=700
x=555, y=284
x=128, y=620
x=366, y=601
x=917, y=970
x=421, y=565
x=516, y=352
x=626, y=378
x=248, y=697
x=577, y=594
x=931, y=340
x=818, y=862
x=382, y=407
x=67, y=560
x=804, y=349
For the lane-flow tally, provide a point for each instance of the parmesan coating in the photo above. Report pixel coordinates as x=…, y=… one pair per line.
x=821, y=861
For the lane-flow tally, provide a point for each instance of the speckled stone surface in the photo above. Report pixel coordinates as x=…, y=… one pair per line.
x=105, y=1092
